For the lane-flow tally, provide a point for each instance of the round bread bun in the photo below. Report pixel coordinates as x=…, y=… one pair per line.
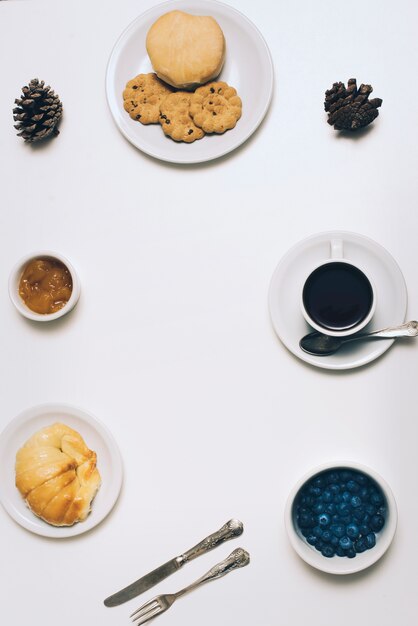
x=56, y=474
x=186, y=50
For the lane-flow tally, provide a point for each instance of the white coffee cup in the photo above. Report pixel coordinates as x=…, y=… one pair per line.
x=337, y=295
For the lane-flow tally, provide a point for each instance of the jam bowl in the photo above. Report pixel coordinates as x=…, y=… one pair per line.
x=341, y=517
x=44, y=286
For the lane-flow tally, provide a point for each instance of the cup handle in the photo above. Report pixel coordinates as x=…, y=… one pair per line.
x=337, y=249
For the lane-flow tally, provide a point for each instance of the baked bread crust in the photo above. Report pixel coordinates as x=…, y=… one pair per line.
x=56, y=474
x=186, y=50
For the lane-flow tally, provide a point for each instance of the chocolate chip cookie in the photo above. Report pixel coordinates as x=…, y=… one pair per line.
x=175, y=118
x=142, y=97
x=215, y=107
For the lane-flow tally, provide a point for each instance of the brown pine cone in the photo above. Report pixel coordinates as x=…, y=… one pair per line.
x=38, y=112
x=349, y=108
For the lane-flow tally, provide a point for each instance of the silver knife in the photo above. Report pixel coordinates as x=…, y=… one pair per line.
x=233, y=528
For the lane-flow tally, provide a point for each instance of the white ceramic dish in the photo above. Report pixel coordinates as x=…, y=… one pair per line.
x=337, y=255
x=14, y=280
x=247, y=56
x=96, y=436
x=337, y=564
x=286, y=288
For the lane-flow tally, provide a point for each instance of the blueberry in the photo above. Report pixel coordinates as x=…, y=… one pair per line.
x=307, y=501
x=328, y=551
x=338, y=530
x=376, y=497
x=355, y=501
x=315, y=491
x=346, y=543
x=317, y=530
x=370, y=509
x=306, y=520
x=351, y=553
x=364, y=493
x=331, y=508
x=303, y=510
x=359, y=511
x=327, y=536
x=364, y=529
x=343, y=509
x=352, y=531
x=327, y=495
x=346, y=475
x=334, y=489
x=346, y=496
x=360, y=545
x=312, y=539
x=377, y=522
x=324, y=519
x=318, y=507
x=370, y=540
x=332, y=478
x=338, y=498
x=353, y=487
x=319, y=481
x=361, y=479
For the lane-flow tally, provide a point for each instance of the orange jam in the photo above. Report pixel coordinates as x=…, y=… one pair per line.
x=45, y=285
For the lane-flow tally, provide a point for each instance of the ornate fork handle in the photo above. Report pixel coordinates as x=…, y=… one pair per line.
x=233, y=528
x=237, y=558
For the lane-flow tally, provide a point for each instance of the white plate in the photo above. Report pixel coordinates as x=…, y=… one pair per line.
x=286, y=287
x=247, y=60
x=97, y=438
x=342, y=565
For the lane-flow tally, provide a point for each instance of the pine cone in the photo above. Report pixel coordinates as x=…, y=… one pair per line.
x=350, y=108
x=38, y=112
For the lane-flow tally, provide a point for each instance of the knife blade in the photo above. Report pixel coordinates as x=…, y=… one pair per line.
x=233, y=528
x=143, y=584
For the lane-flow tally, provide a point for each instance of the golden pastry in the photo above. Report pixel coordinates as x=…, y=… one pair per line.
x=186, y=50
x=56, y=474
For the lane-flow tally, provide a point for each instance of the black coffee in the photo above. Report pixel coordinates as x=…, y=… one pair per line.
x=337, y=296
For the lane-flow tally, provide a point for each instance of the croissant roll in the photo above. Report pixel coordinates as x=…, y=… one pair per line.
x=57, y=476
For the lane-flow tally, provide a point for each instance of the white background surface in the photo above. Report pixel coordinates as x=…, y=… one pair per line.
x=171, y=344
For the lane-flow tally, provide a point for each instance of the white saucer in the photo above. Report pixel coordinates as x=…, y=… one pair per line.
x=247, y=59
x=97, y=438
x=288, y=279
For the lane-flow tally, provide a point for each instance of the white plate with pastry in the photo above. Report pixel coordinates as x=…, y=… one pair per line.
x=61, y=470
x=247, y=67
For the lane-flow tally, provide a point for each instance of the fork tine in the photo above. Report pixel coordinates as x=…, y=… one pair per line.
x=145, y=608
x=148, y=615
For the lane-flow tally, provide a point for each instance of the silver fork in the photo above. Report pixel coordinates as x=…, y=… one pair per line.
x=159, y=604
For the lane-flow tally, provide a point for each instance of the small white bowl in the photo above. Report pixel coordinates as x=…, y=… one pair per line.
x=337, y=564
x=14, y=281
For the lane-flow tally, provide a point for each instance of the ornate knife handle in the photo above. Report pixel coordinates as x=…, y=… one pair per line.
x=233, y=528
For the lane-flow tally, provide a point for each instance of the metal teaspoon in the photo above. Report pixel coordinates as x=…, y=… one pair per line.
x=318, y=344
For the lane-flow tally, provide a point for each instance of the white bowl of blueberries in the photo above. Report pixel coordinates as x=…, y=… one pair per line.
x=341, y=517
